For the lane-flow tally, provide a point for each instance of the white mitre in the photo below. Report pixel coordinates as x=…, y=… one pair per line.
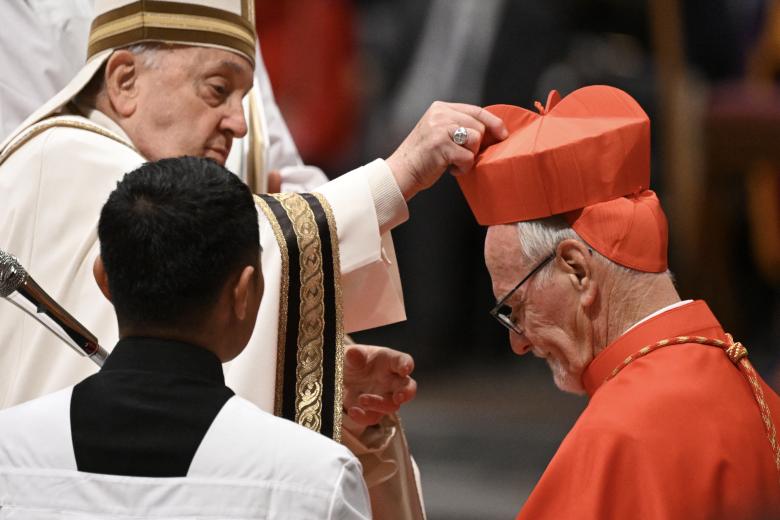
x=223, y=24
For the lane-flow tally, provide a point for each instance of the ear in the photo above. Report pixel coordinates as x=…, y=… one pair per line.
x=122, y=82
x=242, y=293
x=576, y=260
x=99, y=271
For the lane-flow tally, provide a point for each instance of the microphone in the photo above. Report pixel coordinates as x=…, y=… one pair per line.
x=19, y=288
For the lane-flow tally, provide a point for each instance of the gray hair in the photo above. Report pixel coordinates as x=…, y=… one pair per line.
x=148, y=52
x=539, y=238
x=150, y=57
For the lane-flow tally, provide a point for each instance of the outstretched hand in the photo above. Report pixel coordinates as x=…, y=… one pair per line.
x=376, y=382
x=429, y=148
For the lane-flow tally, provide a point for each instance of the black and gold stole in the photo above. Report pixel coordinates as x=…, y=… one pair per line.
x=310, y=349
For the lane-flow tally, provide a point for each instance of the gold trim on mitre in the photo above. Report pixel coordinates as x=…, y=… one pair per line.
x=189, y=23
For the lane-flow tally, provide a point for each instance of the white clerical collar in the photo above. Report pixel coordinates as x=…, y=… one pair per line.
x=659, y=311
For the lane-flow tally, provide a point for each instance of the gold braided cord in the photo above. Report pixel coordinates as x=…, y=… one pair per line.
x=284, y=290
x=338, y=399
x=737, y=354
x=311, y=327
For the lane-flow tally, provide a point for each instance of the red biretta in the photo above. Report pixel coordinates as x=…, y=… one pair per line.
x=678, y=425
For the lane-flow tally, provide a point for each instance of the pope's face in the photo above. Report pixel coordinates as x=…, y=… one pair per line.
x=545, y=308
x=190, y=103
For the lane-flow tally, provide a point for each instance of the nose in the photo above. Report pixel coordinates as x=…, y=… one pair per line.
x=234, y=120
x=520, y=344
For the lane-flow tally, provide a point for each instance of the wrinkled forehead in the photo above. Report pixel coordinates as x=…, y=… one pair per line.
x=503, y=254
x=197, y=62
x=200, y=56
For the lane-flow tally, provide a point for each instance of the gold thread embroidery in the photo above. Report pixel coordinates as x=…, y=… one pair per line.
x=338, y=398
x=170, y=21
x=284, y=290
x=309, y=372
x=46, y=124
x=737, y=354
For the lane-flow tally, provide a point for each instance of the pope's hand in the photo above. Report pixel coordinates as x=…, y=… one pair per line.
x=429, y=149
x=376, y=382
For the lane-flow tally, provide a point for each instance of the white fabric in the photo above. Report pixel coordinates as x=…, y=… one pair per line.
x=249, y=465
x=42, y=45
x=53, y=188
x=659, y=311
x=53, y=34
x=58, y=182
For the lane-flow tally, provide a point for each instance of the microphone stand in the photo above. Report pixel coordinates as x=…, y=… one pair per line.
x=20, y=289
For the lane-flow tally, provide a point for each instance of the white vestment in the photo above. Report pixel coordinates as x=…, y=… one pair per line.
x=51, y=192
x=53, y=187
x=250, y=465
x=43, y=45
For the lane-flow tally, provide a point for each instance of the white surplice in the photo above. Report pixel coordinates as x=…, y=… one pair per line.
x=250, y=465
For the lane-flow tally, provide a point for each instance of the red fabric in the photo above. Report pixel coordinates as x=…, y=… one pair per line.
x=590, y=147
x=631, y=231
x=311, y=57
x=677, y=434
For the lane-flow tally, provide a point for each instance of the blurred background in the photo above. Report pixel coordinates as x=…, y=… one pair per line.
x=353, y=77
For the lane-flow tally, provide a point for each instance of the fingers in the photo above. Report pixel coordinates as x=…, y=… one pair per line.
x=359, y=356
x=429, y=149
x=493, y=124
x=407, y=393
x=488, y=128
x=403, y=363
x=364, y=418
x=376, y=403
x=356, y=357
x=475, y=127
x=461, y=159
x=473, y=138
x=383, y=386
x=400, y=392
x=483, y=130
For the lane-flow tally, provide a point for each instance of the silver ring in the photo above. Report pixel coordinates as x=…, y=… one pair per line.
x=460, y=136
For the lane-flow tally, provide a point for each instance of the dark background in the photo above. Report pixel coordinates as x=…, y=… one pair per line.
x=352, y=78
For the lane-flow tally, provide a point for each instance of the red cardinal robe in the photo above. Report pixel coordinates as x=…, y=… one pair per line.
x=676, y=434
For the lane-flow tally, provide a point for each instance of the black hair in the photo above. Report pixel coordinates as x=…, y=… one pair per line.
x=171, y=234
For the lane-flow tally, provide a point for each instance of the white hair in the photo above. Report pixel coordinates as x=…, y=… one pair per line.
x=539, y=238
x=147, y=52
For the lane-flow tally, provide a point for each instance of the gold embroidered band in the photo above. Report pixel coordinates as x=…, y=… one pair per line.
x=64, y=122
x=310, y=350
x=173, y=22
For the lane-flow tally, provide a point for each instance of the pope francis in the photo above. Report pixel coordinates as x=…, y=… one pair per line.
x=167, y=79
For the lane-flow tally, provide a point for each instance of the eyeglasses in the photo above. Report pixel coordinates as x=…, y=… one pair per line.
x=503, y=312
